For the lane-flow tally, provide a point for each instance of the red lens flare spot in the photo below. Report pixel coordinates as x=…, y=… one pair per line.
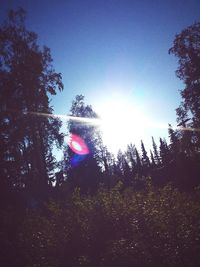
x=77, y=144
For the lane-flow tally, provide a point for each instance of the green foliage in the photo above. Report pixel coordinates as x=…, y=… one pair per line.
x=153, y=227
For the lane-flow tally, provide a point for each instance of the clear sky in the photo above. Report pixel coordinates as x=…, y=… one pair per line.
x=109, y=50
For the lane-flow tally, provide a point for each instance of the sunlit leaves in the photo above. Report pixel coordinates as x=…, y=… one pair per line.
x=146, y=228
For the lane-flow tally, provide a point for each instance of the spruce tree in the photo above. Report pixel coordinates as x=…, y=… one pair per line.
x=138, y=162
x=174, y=142
x=164, y=152
x=155, y=152
x=152, y=159
x=131, y=156
x=145, y=158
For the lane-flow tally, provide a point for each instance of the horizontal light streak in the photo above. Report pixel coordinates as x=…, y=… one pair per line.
x=98, y=121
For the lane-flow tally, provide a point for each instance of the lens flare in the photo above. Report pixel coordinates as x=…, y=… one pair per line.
x=77, y=144
x=76, y=159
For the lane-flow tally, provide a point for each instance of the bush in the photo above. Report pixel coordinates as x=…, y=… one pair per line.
x=152, y=227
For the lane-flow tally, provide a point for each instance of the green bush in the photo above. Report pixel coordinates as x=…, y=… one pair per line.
x=153, y=227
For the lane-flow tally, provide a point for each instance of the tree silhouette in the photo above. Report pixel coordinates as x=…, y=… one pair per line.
x=174, y=145
x=131, y=157
x=164, y=152
x=106, y=161
x=155, y=151
x=145, y=158
x=26, y=78
x=124, y=170
x=153, y=164
x=124, y=217
x=85, y=173
x=138, y=163
x=186, y=47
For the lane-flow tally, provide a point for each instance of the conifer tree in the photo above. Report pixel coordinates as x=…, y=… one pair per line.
x=131, y=156
x=138, y=162
x=174, y=142
x=155, y=151
x=145, y=158
x=164, y=152
x=152, y=159
x=124, y=171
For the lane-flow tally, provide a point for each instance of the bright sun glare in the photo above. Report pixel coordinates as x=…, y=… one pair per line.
x=122, y=123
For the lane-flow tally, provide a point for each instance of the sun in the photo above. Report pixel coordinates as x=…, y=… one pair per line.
x=121, y=123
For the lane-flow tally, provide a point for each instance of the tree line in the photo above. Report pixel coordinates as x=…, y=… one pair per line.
x=80, y=210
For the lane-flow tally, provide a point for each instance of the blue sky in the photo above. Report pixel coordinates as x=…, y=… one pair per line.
x=109, y=49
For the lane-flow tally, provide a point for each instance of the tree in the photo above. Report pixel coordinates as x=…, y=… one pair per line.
x=123, y=167
x=164, y=152
x=27, y=77
x=186, y=135
x=106, y=162
x=85, y=173
x=186, y=48
x=174, y=142
x=138, y=163
x=105, y=159
x=153, y=164
x=145, y=158
x=155, y=151
x=131, y=156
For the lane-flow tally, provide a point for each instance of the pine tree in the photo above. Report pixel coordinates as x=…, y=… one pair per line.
x=138, y=163
x=153, y=164
x=106, y=162
x=123, y=168
x=164, y=152
x=155, y=151
x=145, y=158
x=131, y=156
x=174, y=142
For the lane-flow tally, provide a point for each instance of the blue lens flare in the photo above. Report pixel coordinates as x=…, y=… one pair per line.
x=76, y=159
